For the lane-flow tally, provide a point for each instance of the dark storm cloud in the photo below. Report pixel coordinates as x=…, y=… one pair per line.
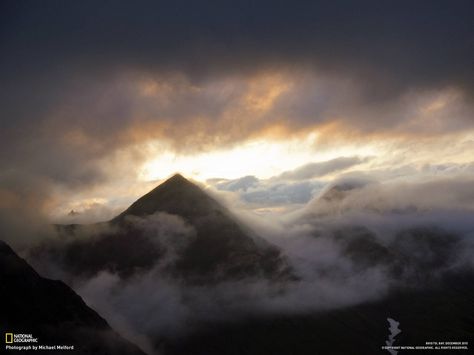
x=52, y=49
x=402, y=44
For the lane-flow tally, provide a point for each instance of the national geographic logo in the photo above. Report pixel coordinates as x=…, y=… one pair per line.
x=11, y=338
x=27, y=342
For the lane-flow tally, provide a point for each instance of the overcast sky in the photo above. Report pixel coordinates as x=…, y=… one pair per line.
x=101, y=100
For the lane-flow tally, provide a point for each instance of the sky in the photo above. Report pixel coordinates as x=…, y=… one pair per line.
x=263, y=103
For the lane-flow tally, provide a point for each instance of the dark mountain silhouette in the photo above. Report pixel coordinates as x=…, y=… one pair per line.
x=178, y=196
x=442, y=312
x=431, y=299
x=216, y=248
x=428, y=296
x=52, y=312
x=415, y=255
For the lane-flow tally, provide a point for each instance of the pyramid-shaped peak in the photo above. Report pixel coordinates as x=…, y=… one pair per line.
x=177, y=195
x=174, y=182
x=176, y=177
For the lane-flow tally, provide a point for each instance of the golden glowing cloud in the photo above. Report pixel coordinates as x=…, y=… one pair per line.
x=263, y=158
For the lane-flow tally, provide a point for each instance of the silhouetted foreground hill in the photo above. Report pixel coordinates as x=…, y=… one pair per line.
x=177, y=218
x=52, y=312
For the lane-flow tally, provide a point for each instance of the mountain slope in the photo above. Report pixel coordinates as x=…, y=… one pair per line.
x=214, y=248
x=175, y=196
x=52, y=312
x=439, y=313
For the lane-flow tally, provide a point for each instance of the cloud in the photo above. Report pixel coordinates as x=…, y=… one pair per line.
x=357, y=246
x=421, y=45
x=281, y=194
x=243, y=183
x=339, y=262
x=168, y=232
x=442, y=194
x=295, y=187
x=313, y=170
x=195, y=77
x=23, y=205
x=269, y=192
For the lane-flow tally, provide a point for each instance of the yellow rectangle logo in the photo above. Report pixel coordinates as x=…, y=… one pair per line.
x=8, y=338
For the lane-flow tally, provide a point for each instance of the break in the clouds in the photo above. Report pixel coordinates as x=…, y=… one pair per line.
x=91, y=93
x=296, y=186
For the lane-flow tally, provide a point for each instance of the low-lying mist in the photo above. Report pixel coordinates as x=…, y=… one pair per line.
x=355, y=242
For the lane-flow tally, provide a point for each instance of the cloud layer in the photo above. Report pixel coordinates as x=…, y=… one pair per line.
x=356, y=241
x=86, y=83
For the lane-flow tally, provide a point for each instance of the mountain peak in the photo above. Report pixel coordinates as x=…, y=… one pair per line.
x=177, y=195
x=340, y=190
x=217, y=248
x=176, y=177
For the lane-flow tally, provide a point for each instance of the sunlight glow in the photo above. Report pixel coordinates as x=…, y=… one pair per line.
x=261, y=158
